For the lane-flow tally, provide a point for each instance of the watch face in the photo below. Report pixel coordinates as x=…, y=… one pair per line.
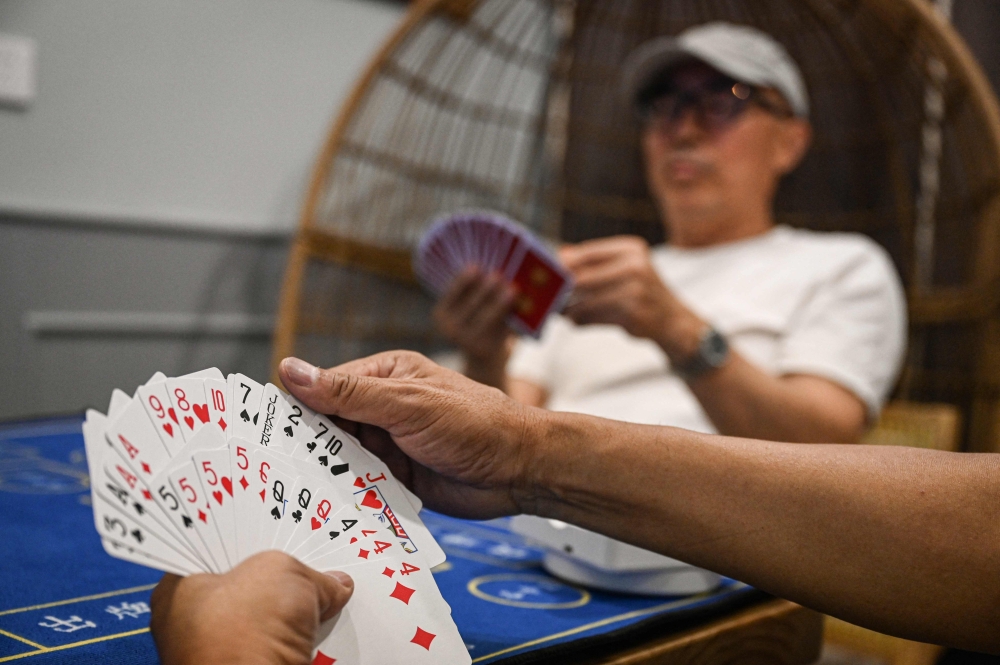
x=715, y=349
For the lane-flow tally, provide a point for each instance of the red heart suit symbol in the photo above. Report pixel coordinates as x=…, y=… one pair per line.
x=168, y=428
x=359, y=483
x=172, y=414
x=189, y=421
x=217, y=495
x=227, y=485
x=201, y=410
x=371, y=500
x=315, y=523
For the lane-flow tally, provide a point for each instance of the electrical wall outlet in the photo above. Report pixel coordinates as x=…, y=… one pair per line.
x=18, y=57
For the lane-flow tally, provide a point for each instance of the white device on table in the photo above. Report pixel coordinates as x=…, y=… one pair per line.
x=590, y=559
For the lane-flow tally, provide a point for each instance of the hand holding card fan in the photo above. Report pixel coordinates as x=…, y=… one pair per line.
x=198, y=473
x=218, y=618
x=495, y=244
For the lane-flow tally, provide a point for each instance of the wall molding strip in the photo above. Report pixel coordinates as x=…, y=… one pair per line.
x=160, y=223
x=148, y=324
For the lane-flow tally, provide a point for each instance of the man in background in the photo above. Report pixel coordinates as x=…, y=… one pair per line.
x=738, y=325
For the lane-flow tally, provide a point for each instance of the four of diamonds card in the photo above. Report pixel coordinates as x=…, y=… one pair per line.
x=196, y=473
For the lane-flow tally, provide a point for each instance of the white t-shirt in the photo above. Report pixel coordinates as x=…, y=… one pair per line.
x=789, y=301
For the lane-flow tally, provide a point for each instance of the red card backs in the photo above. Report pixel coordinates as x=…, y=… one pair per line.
x=539, y=285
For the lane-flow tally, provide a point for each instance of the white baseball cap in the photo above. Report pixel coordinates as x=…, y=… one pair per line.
x=744, y=53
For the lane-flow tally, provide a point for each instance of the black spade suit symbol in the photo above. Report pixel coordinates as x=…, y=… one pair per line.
x=137, y=535
x=311, y=446
x=276, y=513
x=323, y=460
x=297, y=516
x=187, y=521
x=334, y=534
x=338, y=469
x=138, y=508
x=245, y=416
x=255, y=418
x=288, y=431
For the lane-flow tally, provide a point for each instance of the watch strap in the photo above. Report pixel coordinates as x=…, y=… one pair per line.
x=713, y=350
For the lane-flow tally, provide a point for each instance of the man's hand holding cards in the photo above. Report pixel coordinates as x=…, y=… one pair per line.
x=197, y=473
x=492, y=243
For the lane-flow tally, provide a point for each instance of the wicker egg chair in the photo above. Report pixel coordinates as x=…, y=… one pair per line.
x=513, y=105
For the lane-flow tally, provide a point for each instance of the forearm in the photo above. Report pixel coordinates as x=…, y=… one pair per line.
x=900, y=540
x=742, y=400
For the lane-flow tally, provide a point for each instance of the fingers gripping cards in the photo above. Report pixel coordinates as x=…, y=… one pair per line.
x=196, y=473
x=494, y=243
x=333, y=452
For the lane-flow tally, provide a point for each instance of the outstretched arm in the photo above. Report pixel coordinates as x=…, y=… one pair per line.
x=901, y=540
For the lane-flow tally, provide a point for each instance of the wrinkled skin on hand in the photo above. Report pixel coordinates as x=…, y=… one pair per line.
x=461, y=446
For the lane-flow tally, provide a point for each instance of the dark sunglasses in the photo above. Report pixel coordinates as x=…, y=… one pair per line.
x=716, y=105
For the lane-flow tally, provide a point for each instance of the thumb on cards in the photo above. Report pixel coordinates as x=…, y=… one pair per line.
x=364, y=391
x=335, y=589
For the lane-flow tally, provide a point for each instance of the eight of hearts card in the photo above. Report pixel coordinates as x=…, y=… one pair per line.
x=197, y=473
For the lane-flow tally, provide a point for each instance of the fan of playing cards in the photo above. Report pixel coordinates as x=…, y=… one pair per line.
x=494, y=243
x=196, y=473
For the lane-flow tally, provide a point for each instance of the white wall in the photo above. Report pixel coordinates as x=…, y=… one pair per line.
x=147, y=194
x=196, y=112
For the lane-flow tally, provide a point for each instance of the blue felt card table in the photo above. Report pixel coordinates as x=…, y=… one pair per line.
x=63, y=600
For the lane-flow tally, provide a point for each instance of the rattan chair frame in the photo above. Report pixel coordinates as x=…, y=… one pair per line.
x=974, y=303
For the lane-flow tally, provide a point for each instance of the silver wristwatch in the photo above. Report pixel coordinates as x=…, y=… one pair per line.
x=713, y=350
